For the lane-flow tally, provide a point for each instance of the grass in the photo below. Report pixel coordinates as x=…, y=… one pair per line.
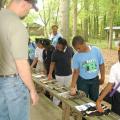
x=101, y=43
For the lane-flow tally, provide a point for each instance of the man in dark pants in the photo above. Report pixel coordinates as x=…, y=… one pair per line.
x=87, y=63
x=113, y=85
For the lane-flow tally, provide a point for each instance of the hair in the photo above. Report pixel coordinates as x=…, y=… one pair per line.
x=62, y=41
x=54, y=26
x=46, y=42
x=39, y=41
x=78, y=40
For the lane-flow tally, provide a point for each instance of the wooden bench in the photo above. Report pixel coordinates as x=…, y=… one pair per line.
x=68, y=105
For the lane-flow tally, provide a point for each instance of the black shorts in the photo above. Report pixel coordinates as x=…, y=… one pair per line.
x=114, y=101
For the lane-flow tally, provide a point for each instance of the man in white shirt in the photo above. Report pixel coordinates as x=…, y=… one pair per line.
x=55, y=35
x=113, y=87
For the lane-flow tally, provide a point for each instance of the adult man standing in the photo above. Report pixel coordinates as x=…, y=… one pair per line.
x=87, y=63
x=55, y=35
x=15, y=75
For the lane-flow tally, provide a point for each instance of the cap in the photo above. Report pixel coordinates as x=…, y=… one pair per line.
x=33, y=2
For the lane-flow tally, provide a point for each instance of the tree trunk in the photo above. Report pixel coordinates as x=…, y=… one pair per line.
x=64, y=18
x=111, y=18
x=75, y=17
x=96, y=20
x=2, y=3
x=85, y=24
x=103, y=24
x=110, y=33
x=90, y=27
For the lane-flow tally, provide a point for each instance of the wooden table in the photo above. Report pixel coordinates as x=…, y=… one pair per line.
x=68, y=105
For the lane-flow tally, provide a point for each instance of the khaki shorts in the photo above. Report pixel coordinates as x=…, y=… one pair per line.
x=40, y=67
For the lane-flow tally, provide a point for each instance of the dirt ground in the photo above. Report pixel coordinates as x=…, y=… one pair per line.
x=110, y=57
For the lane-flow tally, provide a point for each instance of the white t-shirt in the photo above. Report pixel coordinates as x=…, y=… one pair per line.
x=114, y=76
x=39, y=54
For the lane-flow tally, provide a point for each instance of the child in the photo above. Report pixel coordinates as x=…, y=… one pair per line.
x=38, y=56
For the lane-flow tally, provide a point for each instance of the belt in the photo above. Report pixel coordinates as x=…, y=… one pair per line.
x=11, y=75
x=89, y=79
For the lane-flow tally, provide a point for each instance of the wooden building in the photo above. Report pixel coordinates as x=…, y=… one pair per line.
x=35, y=29
x=116, y=33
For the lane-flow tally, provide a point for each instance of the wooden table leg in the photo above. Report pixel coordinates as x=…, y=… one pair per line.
x=78, y=117
x=65, y=112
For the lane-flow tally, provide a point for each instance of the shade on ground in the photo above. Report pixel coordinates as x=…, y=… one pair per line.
x=45, y=110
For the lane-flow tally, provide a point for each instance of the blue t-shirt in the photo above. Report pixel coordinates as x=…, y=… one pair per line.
x=88, y=63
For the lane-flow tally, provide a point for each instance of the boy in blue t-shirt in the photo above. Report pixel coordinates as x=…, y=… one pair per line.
x=87, y=63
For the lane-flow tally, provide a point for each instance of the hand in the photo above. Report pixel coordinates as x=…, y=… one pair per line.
x=73, y=91
x=34, y=97
x=99, y=107
x=49, y=76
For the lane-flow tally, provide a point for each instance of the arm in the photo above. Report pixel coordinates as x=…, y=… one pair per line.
x=102, y=73
x=34, y=62
x=25, y=75
x=74, y=80
x=52, y=66
x=106, y=90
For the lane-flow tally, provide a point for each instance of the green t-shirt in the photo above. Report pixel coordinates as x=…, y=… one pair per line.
x=13, y=41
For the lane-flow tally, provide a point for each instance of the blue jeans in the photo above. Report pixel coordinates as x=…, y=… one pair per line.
x=90, y=87
x=14, y=99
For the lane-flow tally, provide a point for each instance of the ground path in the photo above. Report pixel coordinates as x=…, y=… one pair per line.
x=110, y=57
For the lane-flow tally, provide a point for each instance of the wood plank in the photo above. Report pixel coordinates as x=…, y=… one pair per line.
x=71, y=103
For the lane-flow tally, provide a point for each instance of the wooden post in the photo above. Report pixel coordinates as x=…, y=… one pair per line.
x=65, y=112
x=78, y=117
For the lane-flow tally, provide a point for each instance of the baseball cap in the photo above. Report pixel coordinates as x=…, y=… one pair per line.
x=33, y=2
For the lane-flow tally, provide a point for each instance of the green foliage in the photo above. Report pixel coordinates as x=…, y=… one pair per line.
x=31, y=18
x=97, y=12
x=101, y=43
